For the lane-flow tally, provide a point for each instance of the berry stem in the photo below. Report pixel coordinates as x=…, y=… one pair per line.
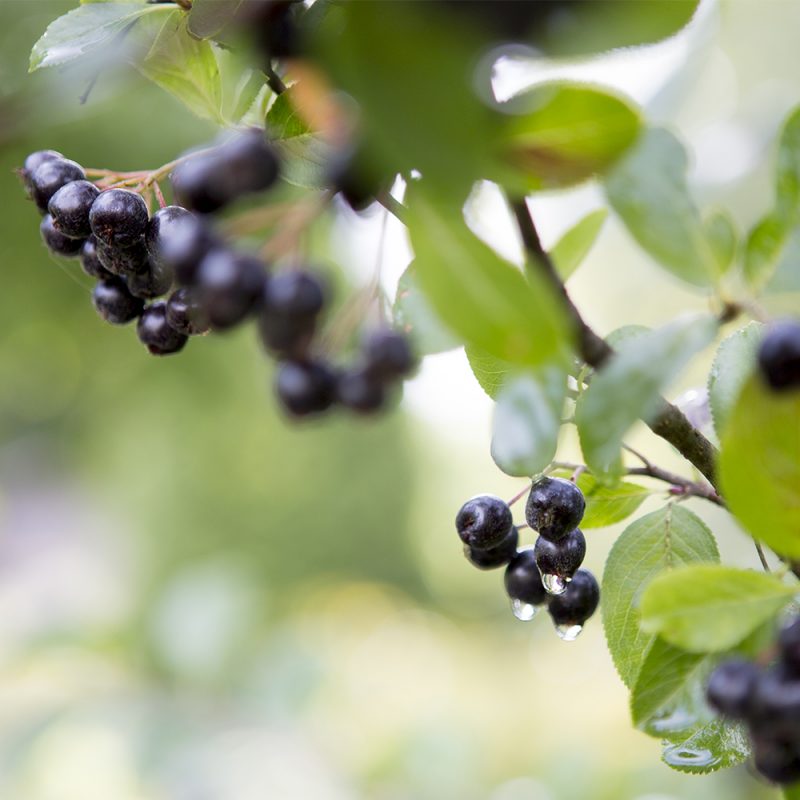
x=159, y=195
x=519, y=495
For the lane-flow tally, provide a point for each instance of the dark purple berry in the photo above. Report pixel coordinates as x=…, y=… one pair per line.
x=292, y=303
x=114, y=303
x=90, y=261
x=523, y=581
x=731, y=686
x=250, y=162
x=50, y=176
x=578, y=602
x=493, y=557
x=156, y=334
x=779, y=355
x=789, y=645
x=775, y=702
x=387, y=354
x=159, y=228
x=201, y=184
x=229, y=287
x=69, y=207
x=118, y=217
x=184, y=244
x=561, y=558
x=123, y=261
x=305, y=388
x=357, y=183
x=484, y=521
x=777, y=757
x=153, y=282
x=56, y=242
x=32, y=162
x=185, y=314
x=360, y=392
x=554, y=508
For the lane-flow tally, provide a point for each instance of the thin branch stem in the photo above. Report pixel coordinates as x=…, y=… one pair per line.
x=762, y=557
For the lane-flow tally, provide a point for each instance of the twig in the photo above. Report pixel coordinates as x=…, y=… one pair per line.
x=761, y=557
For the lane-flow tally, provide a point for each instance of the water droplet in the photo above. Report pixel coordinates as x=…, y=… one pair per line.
x=522, y=610
x=678, y=719
x=554, y=584
x=678, y=755
x=569, y=633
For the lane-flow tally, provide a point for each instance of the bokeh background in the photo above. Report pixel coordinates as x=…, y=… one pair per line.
x=201, y=602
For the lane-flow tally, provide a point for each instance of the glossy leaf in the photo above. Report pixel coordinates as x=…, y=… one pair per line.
x=414, y=315
x=717, y=744
x=760, y=465
x=490, y=372
x=482, y=298
x=527, y=420
x=607, y=505
x=648, y=190
x=710, y=608
x=560, y=134
x=627, y=388
x=732, y=366
x=661, y=540
x=570, y=250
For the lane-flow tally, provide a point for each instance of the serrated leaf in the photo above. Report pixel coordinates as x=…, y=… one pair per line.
x=648, y=190
x=607, y=505
x=717, y=744
x=732, y=366
x=86, y=29
x=627, y=388
x=760, y=465
x=705, y=608
x=722, y=238
x=490, y=372
x=413, y=314
x=527, y=420
x=185, y=67
x=662, y=540
x=558, y=134
x=482, y=298
x=570, y=250
x=207, y=18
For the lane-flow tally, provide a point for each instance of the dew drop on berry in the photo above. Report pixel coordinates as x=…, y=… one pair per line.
x=568, y=633
x=522, y=610
x=554, y=584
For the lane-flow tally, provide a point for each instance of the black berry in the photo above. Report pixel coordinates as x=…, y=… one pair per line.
x=123, y=261
x=90, y=260
x=292, y=303
x=200, y=183
x=159, y=228
x=493, y=557
x=484, y=521
x=69, y=208
x=304, y=388
x=578, y=602
x=789, y=644
x=32, y=162
x=357, y=390
x=561, y=558
x=779, y=355
x=229, y=287
x=185, y=314
x=250, y=162
x=775, y=703
x=114, y=303
x=777, y=757
x=56, y=241
x=156, y=334
x=387, y=354
x=183, y=244
x=554, y=508
x=153, y=282
x=730, y=687
x=118, y=217
x=523, y=581
x=50, y=176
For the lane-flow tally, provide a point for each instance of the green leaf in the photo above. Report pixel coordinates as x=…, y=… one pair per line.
x=477, y=294
x=760, y=465
x=722, y=238
x=185, y=67
x=792, y=792
x=732, y=366
x=709, y=608
x=208, y=18
x=661, y=679
x=764, y=250
x=527, y=420
x=718, y=744
x=414, y=315
x=787, y=173
x=627, y=388
x=559, y=134
x=607, y=505
x=664, y=539
x=648, y=190
x=570, y=250
x=86, y=29
x=490, y=372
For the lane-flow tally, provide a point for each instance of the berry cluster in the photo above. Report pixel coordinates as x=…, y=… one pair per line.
x=779, y=355
x=767, y=700
x=549, y=572
x=136, y=258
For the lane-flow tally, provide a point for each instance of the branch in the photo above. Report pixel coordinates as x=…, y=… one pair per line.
x=669, y=423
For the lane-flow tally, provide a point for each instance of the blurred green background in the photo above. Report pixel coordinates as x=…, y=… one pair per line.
x=199, y=602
